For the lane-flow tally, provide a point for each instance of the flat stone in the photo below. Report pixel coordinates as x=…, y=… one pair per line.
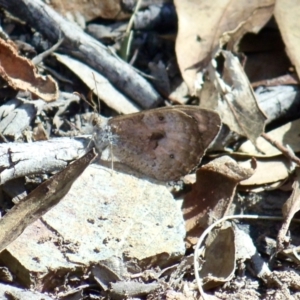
x=105, y=214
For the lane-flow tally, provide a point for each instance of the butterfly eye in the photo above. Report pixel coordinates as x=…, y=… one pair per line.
x=95, y=121
x=161, y=118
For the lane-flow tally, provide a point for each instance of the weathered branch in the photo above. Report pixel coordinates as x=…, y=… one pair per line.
x=21, y=159
x=76, y=42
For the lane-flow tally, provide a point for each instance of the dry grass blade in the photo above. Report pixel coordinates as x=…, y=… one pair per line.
x=41, y=200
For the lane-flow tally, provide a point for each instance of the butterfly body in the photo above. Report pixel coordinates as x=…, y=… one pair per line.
x=164, y=143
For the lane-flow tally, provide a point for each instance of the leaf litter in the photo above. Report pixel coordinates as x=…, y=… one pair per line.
x=239, y=259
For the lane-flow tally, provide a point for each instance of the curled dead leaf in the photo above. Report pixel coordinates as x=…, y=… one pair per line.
x=20, y=73
x=219, y=266
x=237, y=103
x=212, y=194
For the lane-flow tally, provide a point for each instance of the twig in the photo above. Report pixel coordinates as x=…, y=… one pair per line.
x=39, y=58
x=82, y=46
x=286, y=151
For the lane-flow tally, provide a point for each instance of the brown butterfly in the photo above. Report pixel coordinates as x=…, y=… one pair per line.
x=163, y=143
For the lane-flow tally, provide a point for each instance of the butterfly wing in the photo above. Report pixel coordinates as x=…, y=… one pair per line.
x=164, y=143
x=209, y=123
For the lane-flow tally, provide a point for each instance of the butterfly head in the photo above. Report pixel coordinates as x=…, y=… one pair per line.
x=102, y=134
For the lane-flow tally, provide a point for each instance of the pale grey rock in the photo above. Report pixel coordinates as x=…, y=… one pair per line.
x=106, y=214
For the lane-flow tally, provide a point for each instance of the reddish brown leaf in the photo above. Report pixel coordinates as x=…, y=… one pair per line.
x=212, y=194
x=20, y=74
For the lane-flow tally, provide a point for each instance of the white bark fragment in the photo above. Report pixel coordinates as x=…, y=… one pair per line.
x=21, y=159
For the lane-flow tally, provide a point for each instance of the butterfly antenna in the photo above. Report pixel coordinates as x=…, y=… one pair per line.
x=112, y=159
x=82, y=97
x=110, y=144
x=96, y=88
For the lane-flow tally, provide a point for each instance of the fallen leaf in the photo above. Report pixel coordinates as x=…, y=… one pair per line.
x=106, y=9
x=206, y=25
x=287, y=16
x=237, y=106
x=219, y=257
x=267, y=171
x=211, y=194
x=289, y=209
x=287, y=134
x=20, y=74
x=223, y=248
x=160, y=77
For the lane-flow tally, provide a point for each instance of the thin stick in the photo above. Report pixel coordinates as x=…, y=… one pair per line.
x=286, y=151
x=39, y=58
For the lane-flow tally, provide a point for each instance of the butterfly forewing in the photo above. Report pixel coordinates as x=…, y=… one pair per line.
x=209, y=123
x=164, y=143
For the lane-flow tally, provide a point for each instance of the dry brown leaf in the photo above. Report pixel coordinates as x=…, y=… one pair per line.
x=204, y=25
x=289, y=209
x=287, y=134
x=262, y=11
x=223, y=248
x=267, y=171
x=211, y=195
x=238, y=106
x=20, y=74
x=218, y=266
x=41, y=200
x=287, y=15
x=106, y=9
